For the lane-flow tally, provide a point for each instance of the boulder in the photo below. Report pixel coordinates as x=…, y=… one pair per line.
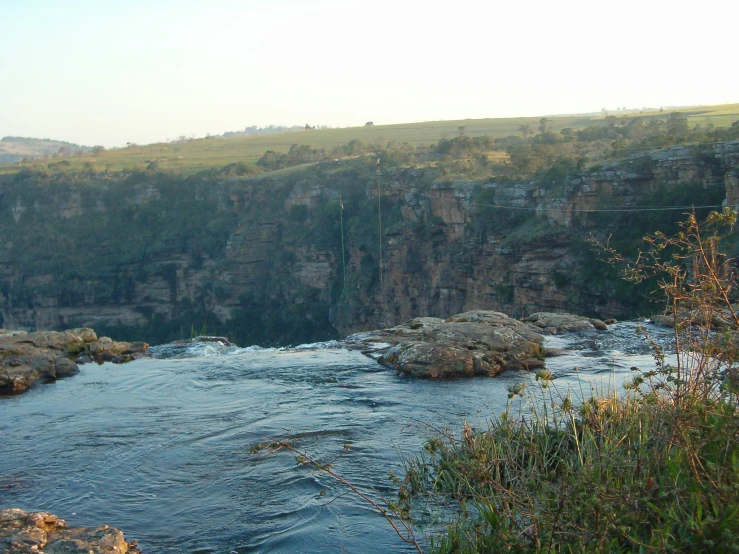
x=662, y=320
x=473, y=343
x=27, y=358
x=24, y=532
x=717, y=320
x=556, y=323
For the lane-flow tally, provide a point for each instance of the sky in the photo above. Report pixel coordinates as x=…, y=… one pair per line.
x=111, y=72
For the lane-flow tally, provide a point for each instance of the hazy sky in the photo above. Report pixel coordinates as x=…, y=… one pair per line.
x=110, y=72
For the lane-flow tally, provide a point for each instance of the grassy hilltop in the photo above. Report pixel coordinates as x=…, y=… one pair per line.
x=195, y=155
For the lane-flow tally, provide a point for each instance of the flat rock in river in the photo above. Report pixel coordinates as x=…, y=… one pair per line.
x=472, y=343
x=24, y=532
x=555, y=323
x=26, y=358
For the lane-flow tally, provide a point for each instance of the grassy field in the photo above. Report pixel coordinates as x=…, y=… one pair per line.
x=720, y=116
x=199, y=154
x=195, y=155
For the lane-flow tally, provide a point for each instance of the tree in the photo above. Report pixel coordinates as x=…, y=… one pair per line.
x=525, y=130
x=677, y=125
x=369, y=124
x=544, y=125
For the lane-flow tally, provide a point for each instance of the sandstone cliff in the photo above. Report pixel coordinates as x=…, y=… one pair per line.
x=160, y=257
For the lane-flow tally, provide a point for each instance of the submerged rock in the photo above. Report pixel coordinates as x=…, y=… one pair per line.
x=472, y=343
x=205, y=338
x=26, y=358
x=554, y=323
x=24, y=532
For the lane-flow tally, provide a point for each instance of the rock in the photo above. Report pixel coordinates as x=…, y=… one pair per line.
x=555, y=323
x=717, y=321
x=663, y=320
x=468, y=344
x=40, y=532
x=554, y=352
x=204, y=338
x=108, y=350
x=26, y=358
x=12, y=332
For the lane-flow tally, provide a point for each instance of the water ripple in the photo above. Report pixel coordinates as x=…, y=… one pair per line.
x=160, y=447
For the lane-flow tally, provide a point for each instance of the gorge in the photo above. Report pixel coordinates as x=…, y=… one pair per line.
x=152, y=255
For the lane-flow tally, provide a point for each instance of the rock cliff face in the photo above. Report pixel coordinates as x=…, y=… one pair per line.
x=224, y=254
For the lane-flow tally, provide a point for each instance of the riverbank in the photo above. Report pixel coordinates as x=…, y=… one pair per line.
x=642, y=473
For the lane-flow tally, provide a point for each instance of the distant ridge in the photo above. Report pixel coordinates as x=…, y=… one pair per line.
x=14, y=149
x=191, y=155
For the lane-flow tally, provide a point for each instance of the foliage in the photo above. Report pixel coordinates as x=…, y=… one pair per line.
x=296, y=155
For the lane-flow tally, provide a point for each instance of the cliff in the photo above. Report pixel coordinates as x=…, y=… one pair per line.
x=156, y=256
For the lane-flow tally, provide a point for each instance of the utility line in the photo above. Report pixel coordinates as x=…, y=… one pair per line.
x=379, y=217
x=343, y=250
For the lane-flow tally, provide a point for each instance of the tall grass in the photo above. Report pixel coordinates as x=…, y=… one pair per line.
x=631, y=474
x=652, y=470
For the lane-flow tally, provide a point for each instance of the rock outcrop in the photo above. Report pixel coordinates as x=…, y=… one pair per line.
x=24, y=532
x=717, y=321
x=554, y=323
x=26, y=358
x=468, y=344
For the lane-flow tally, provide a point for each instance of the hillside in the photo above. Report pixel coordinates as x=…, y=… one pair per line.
x=191, y=156
x=15, y=149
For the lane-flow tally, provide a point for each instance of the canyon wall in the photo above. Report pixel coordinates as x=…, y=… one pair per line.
x=261, y=258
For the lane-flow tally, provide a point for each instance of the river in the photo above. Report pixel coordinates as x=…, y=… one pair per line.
x=159, y=447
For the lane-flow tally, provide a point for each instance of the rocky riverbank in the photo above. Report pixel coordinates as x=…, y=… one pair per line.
x=473, y=343
x=40, y=532
x=27, y=358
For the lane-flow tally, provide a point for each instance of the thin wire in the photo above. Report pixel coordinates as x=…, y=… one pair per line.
x=343, y=250
x=379, y=217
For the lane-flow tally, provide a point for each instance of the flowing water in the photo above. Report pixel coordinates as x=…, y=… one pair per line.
x=159, y=447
